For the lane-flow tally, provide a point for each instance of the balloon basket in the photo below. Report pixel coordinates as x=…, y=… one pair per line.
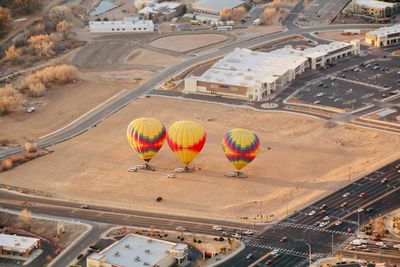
x=186, y=169
x=145, y=167
x=236, y=174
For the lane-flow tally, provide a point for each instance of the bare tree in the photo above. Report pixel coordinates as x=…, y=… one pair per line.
x=42, y=44
x=57, y=14
x=5, y=19
x=64, y=27
x=13, y=53
x=10, y=98
x=238, y=13
x=25, y=218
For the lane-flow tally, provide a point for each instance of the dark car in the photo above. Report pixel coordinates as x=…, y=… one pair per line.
x=269, y=262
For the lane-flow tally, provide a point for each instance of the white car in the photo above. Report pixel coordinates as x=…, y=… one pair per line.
x=132, y=169
x=397, y=246
x=360, y=210
x=346, y=194
x=323, y=224
x=274, y=252
x=337, y=223
x=326, y=218
x=180, y=228
x=248, y=232
x=237, y=235
x=30, y=109
x=312, y=213
x=217, y=228
x=171, y=175
x=381, y=244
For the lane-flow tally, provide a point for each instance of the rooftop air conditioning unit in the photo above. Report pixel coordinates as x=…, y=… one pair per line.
x=147, y=251
x=137, y=258
x=127, y=246
x=116, y=253
x=149, y=240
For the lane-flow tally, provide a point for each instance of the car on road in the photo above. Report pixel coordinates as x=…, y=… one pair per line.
x=85, y=207
x=171, y=175
x=323, y=206
x=283, y=239
x=323, y=224
x=326, y=218
x=346, y=194
x=369, y=210
x=384, y=180
x=317, y=223
x=317, y=102
x=363, y=194
x=337, y=223
x=180, y=228
x=236, y=235
x=269, y=262
x=322, y=212
x=362, y=247
x=217, y=228
x=274, y=252
x=248, y=232
x=277, y=256
x=249, y=256
x=225, y=234
x=381, y=244
x=397, y=246
x=132, y=169
x=311, y=213
x=344, y=204
x=360, y=210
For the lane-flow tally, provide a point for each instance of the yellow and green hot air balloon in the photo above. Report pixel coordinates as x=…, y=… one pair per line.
x=240, y=147
x=146, y=136
x=186, y=139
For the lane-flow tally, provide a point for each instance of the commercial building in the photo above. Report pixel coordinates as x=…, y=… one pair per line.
x=129, y=24
x=254, y=75
x=136, y=250
x=385, y=36
x=210, y=10
x=374, y=9
x=159, y=12
x=20, y=246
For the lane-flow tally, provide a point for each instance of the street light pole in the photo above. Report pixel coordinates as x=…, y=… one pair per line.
x=309, y=253
x=332, y=245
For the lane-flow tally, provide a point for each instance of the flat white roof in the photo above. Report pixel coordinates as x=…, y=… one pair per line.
x=312, y=52
x=17, y=243
x=159, y=7
x=217, y=5
x=123, y=252
x=386, y=30
x=374, y=4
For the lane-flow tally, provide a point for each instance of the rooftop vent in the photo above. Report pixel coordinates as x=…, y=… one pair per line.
x=137, y=258
x=17, y=244
x=147, y=251
x=116, y=253
x=146, y=264
x=127, y=246
x=149, y=240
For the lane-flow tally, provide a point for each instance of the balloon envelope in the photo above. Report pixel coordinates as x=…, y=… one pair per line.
x=186, y=139
x=241, y=147
x=146, y=136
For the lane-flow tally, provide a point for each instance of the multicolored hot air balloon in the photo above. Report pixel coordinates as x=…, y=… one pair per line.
x=186, y=139
x=146, y=136
x=241, y=147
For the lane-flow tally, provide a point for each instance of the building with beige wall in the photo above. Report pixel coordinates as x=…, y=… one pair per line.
x=385, y=36
x=374, y=9
x=17, y=246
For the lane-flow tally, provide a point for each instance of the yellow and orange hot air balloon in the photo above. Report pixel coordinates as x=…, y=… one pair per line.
x=186, y=139
x=146, y=136
x=241, y=147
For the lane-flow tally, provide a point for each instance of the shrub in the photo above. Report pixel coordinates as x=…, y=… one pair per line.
x=30, y=147
x=13, y=53
x=216, y=238
x=6, y=164
x=199, y=241
x=10, y=98
x=221, y=239
x=182, y=238
x=64, y=27
x=36, y=89
x=194, y=240
x=41, y=44
x=53, y=74
x=57, y=14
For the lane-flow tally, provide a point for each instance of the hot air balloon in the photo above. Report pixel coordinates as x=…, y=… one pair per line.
x=146, y=136
x=241, y=147
x=186, y=139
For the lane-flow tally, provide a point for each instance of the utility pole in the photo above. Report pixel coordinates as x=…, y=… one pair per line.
x=349, y=173
x=332, y=245
x=309, y=253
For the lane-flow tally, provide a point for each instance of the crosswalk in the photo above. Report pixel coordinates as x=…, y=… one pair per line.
x=285, y=250
x=313, y=228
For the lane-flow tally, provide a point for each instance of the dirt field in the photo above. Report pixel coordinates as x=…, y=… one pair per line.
x=148, y=57
x=184, y=43
x=338, y=36
x=306, y=161
x=66, y=103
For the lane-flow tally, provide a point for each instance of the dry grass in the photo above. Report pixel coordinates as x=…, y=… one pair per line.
x=30, y=147
x=10, y=99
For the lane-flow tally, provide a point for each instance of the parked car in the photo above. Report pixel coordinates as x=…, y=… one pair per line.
x=283, y=239
x=180, y=228
x=337, y=223
x=217, y=228
x=344, y=204
x=363, y=194
x=346, y=194
x=323, y=206
x=30, y=109
x=384, y=180
x=311, y=213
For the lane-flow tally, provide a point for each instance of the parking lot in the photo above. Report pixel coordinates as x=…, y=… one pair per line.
x=339, y=94
x=385, y=74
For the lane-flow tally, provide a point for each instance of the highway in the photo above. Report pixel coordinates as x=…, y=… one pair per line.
x=300, y=227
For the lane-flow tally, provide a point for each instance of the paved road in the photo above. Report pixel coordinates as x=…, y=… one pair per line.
x=300, y=227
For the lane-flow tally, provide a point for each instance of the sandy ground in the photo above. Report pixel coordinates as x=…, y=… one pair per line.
x=338, y=36
x=64, y=104
x=148, y=57
x=184, y=43
x=305, y=162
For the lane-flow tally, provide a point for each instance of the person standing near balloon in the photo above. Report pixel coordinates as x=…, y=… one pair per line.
x=146, y=136
x=186, y=139
x=240, y=146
